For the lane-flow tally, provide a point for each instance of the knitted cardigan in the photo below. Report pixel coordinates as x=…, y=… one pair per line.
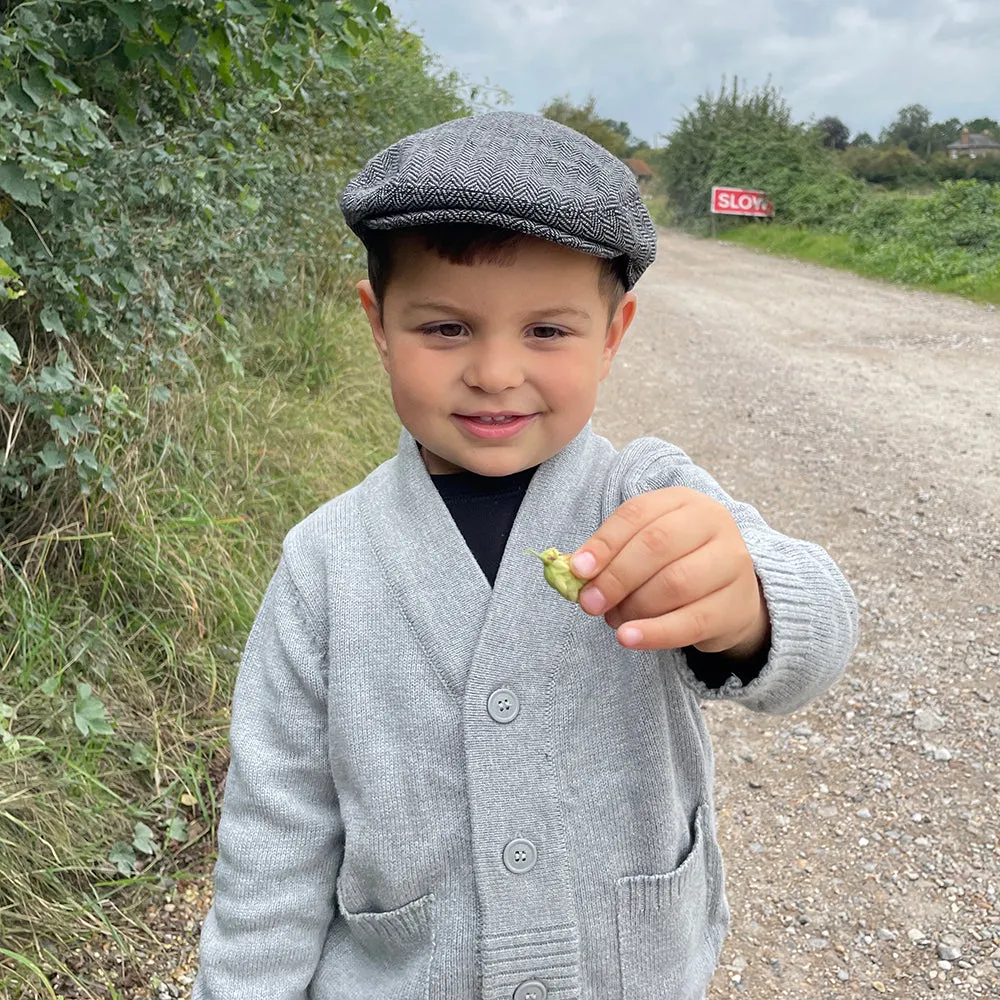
x=441, y=790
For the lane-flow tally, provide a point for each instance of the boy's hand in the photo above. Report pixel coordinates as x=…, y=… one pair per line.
x=670, y=569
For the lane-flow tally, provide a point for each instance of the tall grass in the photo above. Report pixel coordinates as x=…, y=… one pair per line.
x=838, y=250
x=158, y=589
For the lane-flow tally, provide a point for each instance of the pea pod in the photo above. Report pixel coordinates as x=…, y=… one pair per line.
x=558, y=574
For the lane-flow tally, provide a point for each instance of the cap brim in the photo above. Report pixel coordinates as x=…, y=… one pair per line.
x=429, y=217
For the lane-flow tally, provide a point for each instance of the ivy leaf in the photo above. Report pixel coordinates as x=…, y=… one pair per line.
x=139, y=754
x=85, y=457
x=128, y=14
x=8, y=349
x=5, y=238
x=37, y=86
x=52, y=321
x=20, y=188
x=89, y=713
x=61, y=83
x=123, y=858
x=143, y=839
x=48, y=686
x=177, y=829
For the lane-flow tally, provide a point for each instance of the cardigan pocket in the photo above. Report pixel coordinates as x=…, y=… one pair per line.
x=384, y=954
x=671, y=926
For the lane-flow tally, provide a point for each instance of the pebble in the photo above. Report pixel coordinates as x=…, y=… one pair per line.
x=948, y=953
x=927, y=721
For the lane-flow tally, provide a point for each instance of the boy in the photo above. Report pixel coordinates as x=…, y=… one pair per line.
x=447, y=782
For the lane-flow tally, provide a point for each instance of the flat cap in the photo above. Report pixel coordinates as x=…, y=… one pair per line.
x=518, y=171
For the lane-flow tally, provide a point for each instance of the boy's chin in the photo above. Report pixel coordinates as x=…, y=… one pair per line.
x=482, y=464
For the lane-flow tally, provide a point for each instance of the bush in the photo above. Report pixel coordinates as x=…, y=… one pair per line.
x=747, y=139
x=894, y=167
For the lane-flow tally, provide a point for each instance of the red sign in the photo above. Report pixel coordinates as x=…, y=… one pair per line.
x=738, y=201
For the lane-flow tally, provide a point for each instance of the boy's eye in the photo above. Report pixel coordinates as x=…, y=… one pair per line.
x=547, y=332
x=449, y=330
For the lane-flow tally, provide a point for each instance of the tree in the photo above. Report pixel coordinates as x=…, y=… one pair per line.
x=909, y=128
x=914, y=129
x=863, y=140
x=940, y=134
x=833, y=132
x=990, y=125
x=614, y=136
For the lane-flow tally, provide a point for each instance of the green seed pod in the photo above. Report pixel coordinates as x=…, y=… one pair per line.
x=558, y=574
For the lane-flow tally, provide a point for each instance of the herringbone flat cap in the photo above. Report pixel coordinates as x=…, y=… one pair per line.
x=519, y=171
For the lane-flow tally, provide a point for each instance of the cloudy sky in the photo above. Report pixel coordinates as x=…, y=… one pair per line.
x=645, y=60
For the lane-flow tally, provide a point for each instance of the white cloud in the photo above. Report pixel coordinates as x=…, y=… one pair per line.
x=646, y=60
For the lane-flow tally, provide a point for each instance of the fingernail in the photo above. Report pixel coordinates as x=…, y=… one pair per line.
x=630, y=636
x=583, y=564
x=592, y=600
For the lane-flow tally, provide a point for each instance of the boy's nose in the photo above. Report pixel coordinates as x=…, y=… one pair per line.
x=494, y=369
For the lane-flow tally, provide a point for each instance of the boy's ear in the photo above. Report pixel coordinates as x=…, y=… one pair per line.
x=620, y=322
x=374, y=313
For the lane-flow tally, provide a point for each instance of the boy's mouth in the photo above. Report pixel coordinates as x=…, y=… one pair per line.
x=494, y=425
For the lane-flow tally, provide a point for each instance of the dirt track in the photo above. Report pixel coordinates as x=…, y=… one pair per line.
x=861, y=834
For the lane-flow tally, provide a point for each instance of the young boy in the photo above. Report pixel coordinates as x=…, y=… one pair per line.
x=447, y=781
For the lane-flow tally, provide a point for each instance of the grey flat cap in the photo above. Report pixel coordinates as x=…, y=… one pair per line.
x=519, y=171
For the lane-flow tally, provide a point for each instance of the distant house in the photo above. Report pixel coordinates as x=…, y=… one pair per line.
x=973, y=144
x=643, y=174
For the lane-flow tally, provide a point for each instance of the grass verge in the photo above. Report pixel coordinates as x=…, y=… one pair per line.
x=890, y=260
x=115, y=677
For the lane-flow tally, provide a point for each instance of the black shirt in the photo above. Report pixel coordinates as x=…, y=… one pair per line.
x=484, y=509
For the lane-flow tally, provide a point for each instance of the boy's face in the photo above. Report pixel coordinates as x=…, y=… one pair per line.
x=528, y=335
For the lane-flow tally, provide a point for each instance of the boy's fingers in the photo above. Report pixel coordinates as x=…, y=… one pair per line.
x=629, y=519
x=659, y=548
x=681, y=582
x=694, y=623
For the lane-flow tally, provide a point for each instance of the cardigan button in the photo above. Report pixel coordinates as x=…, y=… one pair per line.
x=531, y=991
x=503, y=705
x=520, y=856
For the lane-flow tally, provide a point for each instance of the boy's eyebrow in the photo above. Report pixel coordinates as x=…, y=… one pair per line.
x=434, y=305
x=563, y=310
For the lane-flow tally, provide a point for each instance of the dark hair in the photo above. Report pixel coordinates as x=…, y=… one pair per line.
x=471, y=243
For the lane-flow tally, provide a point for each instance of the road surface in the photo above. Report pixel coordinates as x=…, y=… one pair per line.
x=860, y=834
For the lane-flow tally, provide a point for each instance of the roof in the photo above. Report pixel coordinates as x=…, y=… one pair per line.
x=976, y=140
x=640, y=168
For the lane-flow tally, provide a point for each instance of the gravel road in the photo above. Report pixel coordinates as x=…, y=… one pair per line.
x=861, y=834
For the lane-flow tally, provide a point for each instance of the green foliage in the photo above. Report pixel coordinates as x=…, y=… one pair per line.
x=981, y=125
x=145, y=160
x=982, y=168
x=614, y=136
x=948, y=241
x=833, y=133
x=892, y=167
x=914, y=128
x=89, y=713
x=746, y=138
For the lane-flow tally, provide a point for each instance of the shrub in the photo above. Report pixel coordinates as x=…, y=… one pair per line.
x=893, y=167
x=145, y=193
x=746, y=138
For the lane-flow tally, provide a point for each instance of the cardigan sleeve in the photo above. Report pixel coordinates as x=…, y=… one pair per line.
x=281, y=835
x=813, y=611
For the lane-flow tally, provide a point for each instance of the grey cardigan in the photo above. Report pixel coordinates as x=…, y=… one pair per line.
x=441, y=790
